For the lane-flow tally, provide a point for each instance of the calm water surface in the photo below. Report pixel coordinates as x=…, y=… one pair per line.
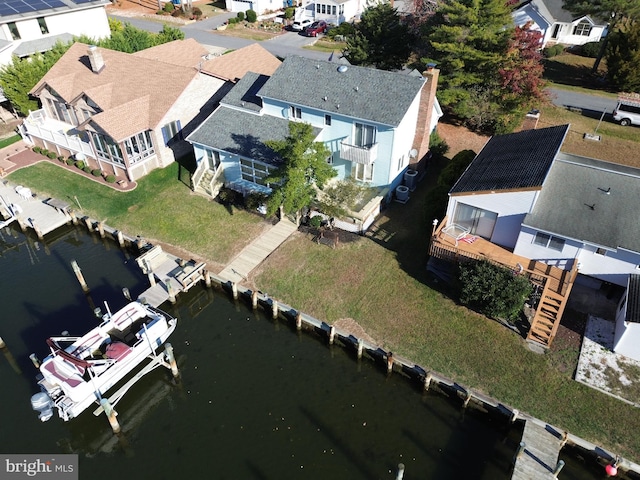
x=256, y=400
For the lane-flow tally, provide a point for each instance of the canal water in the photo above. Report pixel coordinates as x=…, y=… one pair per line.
x=257, y=400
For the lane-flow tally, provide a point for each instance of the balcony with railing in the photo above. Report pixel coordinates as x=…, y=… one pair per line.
x=357, y=154
x=38, y=125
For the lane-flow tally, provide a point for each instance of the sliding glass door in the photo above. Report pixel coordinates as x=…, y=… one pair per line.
x=479, y=222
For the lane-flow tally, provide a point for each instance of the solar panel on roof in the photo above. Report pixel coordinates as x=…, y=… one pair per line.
x=13, y=7
x=79, y=2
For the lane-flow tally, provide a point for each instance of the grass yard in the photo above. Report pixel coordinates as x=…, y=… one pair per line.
x=328, y=46
x=573, y=72
x=161, y=207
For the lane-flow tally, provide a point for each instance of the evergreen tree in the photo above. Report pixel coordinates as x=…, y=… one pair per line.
x=304, y=167
x=623, y=58
x=380, y=39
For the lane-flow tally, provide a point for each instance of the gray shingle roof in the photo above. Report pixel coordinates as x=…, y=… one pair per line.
x=590, y=200
x=243, y=94
x=359, y=92
x=515, y=161
x=43, y=44
x=242, y=133
x=633, y=299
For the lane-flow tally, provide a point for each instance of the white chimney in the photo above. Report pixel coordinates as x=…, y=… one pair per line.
x=95, y=58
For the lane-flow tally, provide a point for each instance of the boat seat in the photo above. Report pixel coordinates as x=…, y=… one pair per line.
x=72, y=380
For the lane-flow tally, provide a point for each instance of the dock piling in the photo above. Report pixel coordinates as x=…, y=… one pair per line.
x=172, y=295
x=332, y=334
x=514, y=415
x=298, y=321
x=87, y=222
x=101, y=229
x=254, y=299
x=234, y=290
x=111, y=415
x=37, y=229
x=390, y=362
x=2, y=344
x=120, y=237
x=360, y=347
x=79, y=276
x=126, y=293
x=559, y=466
x=172, y=360
x=35, y=360
x=520, y=451
x=274, y=309
x=400, y=473
x=74, y=217
x=207, y=279
x=427, y=382
x=467, y=399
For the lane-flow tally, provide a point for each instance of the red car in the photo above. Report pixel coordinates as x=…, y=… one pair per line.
x=315, y=28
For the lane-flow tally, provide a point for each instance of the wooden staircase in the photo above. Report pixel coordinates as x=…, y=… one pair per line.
x=209, y=183
x=553, y=301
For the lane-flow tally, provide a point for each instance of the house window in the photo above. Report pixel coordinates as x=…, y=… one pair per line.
x=86, y=114
x=172, y=132
x=13, y=28
x=583, y=28
x=601, y=251
x=479, y=222
x=107, y=149
x=327, y=120
x=61, y=111
x=549, y=241
x=324, y=8
x=139, y=146
x=556, y=30
x=362, y=172
x=295, y=112
x=253, y=171
x=330, y=159
x=333, y=9
x=341, y=9
x=317, y=8
x=365, y=135
x=43, y=25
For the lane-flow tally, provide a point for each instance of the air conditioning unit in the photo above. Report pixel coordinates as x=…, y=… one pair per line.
x=402, y=194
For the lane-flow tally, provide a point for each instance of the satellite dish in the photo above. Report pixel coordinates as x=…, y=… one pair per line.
x=413, y=153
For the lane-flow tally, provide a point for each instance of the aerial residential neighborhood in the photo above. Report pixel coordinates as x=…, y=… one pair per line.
x=460, y=157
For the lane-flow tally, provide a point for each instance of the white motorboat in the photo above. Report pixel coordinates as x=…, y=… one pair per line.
x=80, y=370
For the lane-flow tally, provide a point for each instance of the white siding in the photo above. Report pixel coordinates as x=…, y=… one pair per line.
x=561, y=259
x=627, y=334
x=511, y=208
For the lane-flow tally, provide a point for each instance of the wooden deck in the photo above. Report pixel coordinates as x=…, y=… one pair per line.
x=255, y=253
x=540, y=456
x=553, y=283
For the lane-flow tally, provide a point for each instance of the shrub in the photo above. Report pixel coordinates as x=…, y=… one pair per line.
x=494, y=291
x=86, y=169
x=315, y=221
x=252, y=16
x=96, y=172
x=52, y=155
x=110, y=178
x=196, y=12
x=176, y=13
x=240, y=16
x=168, y=7
x=70, y=161
x=79, y=164
x=288, y=12
x=61, y=158
x=37, y=149
x=344, y=29
x=437, y=145
x=591, y=49
x=233, y=20
x=552, y=51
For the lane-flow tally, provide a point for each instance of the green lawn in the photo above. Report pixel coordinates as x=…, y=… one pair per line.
x=161, y=207
x=5, y=142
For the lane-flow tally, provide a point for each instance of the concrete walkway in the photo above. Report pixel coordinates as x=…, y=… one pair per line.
x=255, y=253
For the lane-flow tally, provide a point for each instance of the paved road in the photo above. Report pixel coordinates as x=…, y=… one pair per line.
x=290, y=43
x=589, y=104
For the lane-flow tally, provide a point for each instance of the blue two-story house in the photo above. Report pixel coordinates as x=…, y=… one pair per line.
x=375, y=123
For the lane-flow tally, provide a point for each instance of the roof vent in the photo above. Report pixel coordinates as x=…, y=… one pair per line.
x=317, y=67
x=342, y=68
x=356, y=88
x=324, y=98
x=338, y=106
x=606, y=192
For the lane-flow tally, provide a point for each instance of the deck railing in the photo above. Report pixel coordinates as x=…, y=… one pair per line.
x=39, y=126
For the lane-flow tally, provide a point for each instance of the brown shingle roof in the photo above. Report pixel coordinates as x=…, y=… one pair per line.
x=233, y=66
x=186, y=53
x=117, y=89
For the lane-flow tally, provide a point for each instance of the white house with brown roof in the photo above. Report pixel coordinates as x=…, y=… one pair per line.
x=127, y=114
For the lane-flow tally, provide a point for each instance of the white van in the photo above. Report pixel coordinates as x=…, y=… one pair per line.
x=627, y=112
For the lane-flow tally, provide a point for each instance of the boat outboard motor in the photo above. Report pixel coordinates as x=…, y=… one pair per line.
x=41, y=402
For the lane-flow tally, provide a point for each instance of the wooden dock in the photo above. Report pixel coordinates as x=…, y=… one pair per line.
x=255, y=253
x=168, y=275
x=540, y=455
x=21, y=205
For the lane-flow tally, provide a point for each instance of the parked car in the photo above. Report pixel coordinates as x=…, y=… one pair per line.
x=300, y=25
x=627, y=112
x=315, y=28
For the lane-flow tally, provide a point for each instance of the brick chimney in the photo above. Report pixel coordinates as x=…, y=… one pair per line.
x=425, y=112
x=95, y=58
x=531, y=120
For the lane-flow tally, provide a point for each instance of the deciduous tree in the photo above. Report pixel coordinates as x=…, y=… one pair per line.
x=381, y=39
x=304, y=167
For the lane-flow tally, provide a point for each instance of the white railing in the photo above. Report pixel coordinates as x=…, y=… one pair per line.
x=354, y=153
x=38, y=125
